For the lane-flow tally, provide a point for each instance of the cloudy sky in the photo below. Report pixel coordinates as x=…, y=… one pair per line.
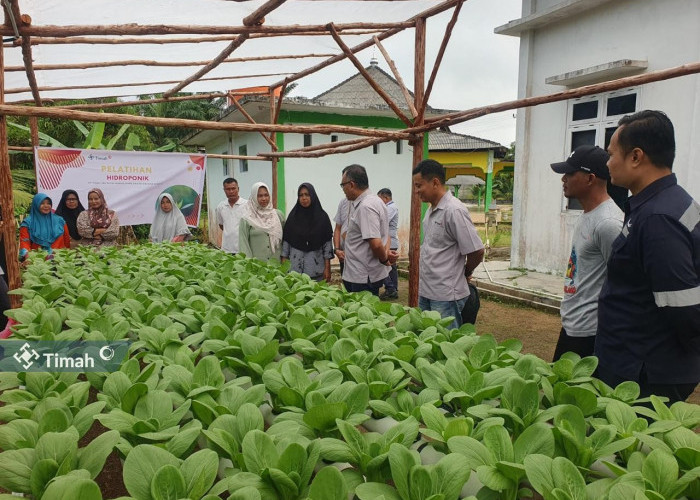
x=479, y=67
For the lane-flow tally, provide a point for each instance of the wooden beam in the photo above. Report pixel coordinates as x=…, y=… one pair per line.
x=382, y=36
x=19, y=23
x=273, y=139
x=144, y=29
x=21, y=149
x=87, y=116
x=238, y=157
x=137, y=84
x=440, y=54
x=278, y=108
x=318, y=154
x=69, y=40
x=8, y=227
x=327, y=145
x=397, y=75
x=174, y=64
x=251, y=120
x=377, y=88
x=254, y=19
x=621, y=83
x=143, y=102
x=418, y=151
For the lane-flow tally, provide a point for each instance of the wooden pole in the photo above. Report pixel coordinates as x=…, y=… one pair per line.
x=254, y=19
x=382, y=36
x=166, y=64
x=251, y=120
x=318, y=154
x=68, y=40
x=441, y=53
x=7, y=201
x=621, y=83
x=377, y=88
x=273, y=139
x=327, y=145
x=397, y=75
x=278, y=109
x=238, y=157
x=418, y=150
x=247, y=29
x=142, y=102
x=34, y=130
x=87, y=116
x=136, y=84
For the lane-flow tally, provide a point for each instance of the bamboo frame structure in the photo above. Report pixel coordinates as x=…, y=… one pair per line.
x=253, y=27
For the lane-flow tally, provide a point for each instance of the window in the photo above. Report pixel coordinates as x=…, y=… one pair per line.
x=334, y=138
x=375, y=149
x=225, y=162
x=242, y=163
x=399, y=147
x=593, y=120
x=307, y=140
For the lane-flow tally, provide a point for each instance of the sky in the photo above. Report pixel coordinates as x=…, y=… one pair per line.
x=478, y=68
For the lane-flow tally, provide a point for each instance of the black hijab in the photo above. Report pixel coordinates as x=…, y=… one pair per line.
x=70, y=216
x=307, y=229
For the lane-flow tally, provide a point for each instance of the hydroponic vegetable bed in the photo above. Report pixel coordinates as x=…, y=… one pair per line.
x=245, y=382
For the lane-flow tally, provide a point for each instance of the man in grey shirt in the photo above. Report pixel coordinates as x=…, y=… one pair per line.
x=391, y=284
x=585, y=177
x=449, y=237
x=367, y=254
x=340, y=231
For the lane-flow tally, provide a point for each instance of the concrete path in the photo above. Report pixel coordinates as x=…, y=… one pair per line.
x=496, y=278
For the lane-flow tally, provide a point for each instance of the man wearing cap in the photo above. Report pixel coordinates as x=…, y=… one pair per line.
x=585, y=177
x=649, y=308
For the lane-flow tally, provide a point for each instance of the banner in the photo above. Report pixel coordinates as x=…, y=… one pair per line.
x=130, y=180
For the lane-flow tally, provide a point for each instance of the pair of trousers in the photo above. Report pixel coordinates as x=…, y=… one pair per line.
x=391, y=283
x=372, y=287
x=446, y=308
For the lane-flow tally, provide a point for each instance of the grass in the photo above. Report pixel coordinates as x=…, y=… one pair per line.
x=498, y=239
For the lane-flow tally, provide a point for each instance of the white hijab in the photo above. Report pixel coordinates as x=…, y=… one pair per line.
x=167, y=225
x=263, y=218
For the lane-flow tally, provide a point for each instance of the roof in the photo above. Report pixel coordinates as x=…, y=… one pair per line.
x=357, y=93
x=444, y=140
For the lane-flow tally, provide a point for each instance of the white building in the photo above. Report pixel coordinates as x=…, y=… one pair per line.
x=571, y=43
x=351, y=102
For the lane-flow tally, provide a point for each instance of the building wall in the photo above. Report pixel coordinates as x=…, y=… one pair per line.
x=384, y=169
x=258, y=171
x=663, y=33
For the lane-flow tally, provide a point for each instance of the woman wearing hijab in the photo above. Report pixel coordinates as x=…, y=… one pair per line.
x=260, y=232
x=308, y=236
x=169, y=223
x=98, y=225
x=42, y=228
x=69, y=208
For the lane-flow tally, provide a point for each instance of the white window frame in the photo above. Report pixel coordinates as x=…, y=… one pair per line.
x=599, y=124
x=242, y=163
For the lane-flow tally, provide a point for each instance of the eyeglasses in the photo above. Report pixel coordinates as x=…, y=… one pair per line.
x=342, y=184
x=71, y=199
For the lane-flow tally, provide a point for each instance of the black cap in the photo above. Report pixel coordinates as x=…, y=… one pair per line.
x=587, y=158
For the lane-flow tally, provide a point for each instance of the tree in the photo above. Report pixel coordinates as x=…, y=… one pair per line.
x=503, y=185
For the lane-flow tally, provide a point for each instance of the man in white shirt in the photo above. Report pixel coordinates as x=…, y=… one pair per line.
x=391, y=285
x=228, y=216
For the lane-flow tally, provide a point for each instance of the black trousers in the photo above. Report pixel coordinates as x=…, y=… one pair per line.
x=362, y=287
x=674, y=392
x=583, y=346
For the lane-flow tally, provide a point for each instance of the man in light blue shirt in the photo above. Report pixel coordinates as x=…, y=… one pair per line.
x=391, y=284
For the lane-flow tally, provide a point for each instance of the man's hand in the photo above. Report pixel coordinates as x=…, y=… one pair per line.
x=340, y=254
x=327, y=276
x=393, y=256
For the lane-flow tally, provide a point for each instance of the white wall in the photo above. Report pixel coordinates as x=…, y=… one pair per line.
x=258, y=171
x=663, y=33
x=385, y=169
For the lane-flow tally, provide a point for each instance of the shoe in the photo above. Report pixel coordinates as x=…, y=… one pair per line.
x=389, y=295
